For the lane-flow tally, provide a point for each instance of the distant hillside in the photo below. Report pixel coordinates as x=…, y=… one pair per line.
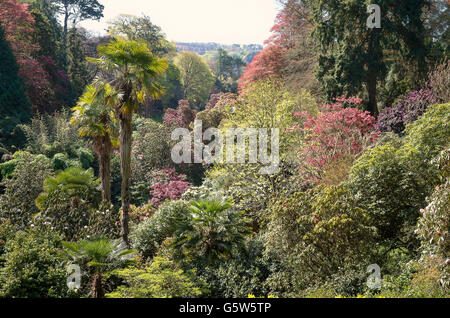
x=246, y=51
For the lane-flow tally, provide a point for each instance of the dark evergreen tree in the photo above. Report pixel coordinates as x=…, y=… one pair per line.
x=77, y=65
x=354, y=57
x=172, y=84
x=46, y=35
x=228, y=66
x=15, y=108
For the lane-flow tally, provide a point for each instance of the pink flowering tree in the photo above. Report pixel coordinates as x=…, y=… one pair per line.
x=181, y=117
x=168, y=185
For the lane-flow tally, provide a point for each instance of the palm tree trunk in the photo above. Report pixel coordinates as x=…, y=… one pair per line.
x=105, y=168
x=97, y=286
x=126, y=131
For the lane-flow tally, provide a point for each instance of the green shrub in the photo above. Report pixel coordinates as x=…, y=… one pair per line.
x=86, y=158
x=150, y=234
x=6, y=233
x=416, y=280
x=7, y=168
x=162, y=279
x=140, y=192
x=428, y=136
x=103, y=222
x=33, y=266
x=391, y=194
x=433, y=227
x=17, y=204
x=315, y=235
x=209, y=190
x=243, y=274
x=151, y=149
x=392, y=180
x=60, y=162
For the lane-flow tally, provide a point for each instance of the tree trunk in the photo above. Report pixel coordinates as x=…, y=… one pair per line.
x=372, y=92
x=66, y=22
x=97, y=286
x=126, y=131
x=372, y=73
x=105, y=167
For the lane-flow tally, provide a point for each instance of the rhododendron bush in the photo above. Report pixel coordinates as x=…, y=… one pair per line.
x=408, y=109
x=433, y=226
x=217, y=109
x=181, y=117
x=167, y=185
x=337, y=133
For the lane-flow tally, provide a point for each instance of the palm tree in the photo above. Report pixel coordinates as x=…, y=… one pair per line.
x=134, y=71
x=96, y=120
x=67, y=199
x=214, y=232
x=102, y=255
x=74, y=182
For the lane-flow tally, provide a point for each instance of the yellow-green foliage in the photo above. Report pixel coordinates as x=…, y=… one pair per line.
x=162, y=279
x=266, y=104
x=196, y=78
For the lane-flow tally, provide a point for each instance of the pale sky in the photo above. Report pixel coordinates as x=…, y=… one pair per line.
x=221, y=21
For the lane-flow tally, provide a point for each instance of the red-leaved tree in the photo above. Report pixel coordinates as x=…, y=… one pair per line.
x=18, y=23
x=291, y=26
x=337, y=134
x=167, y=186
x=268, y=63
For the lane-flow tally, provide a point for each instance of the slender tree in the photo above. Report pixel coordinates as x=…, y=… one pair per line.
x=77, y=10
x=96, y=121
x=134, y=72
x=77, y=67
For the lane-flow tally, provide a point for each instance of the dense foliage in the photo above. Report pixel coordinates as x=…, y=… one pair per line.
x=344, y=167
x=14, y=109
x=44, y=274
